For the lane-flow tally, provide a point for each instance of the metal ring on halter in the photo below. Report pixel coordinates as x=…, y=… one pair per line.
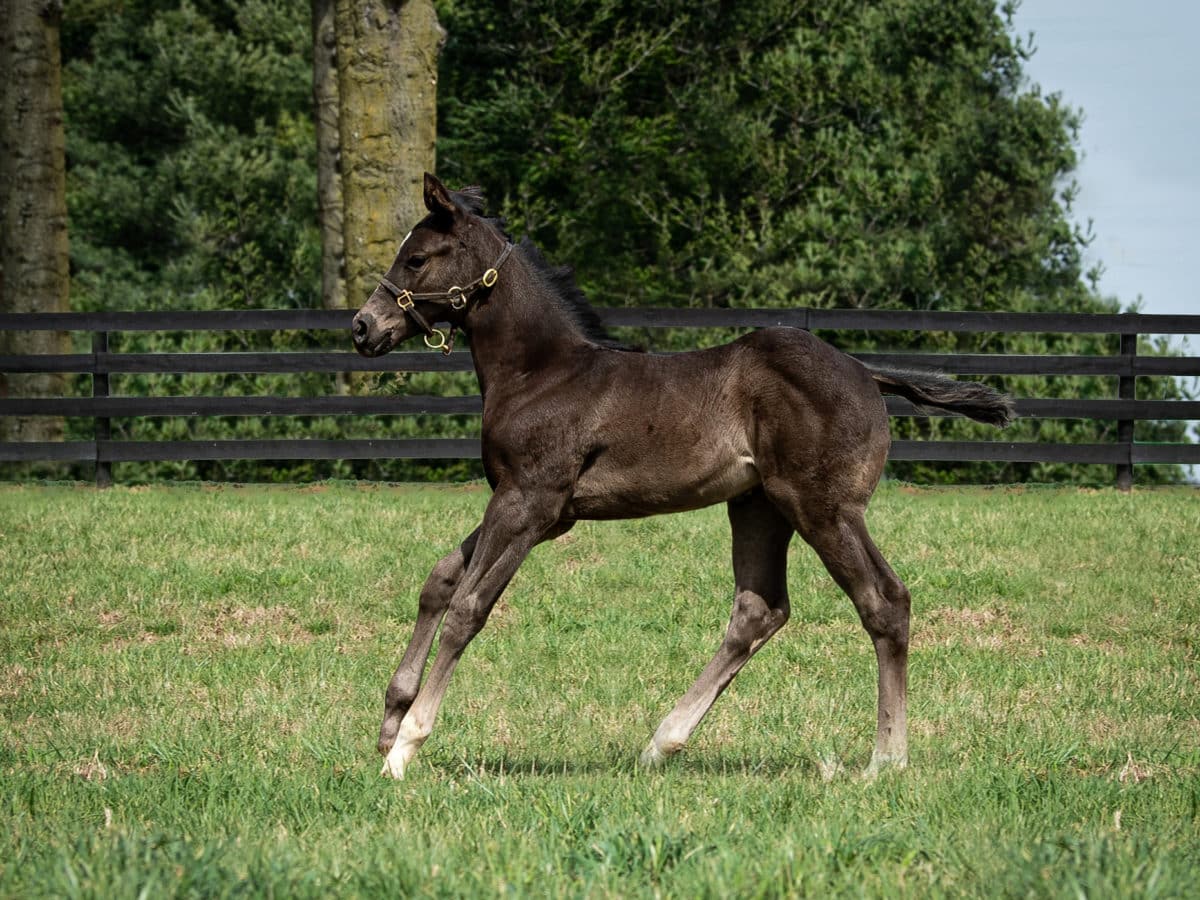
x=489, y=278
x=457, y=297
x=439, y=343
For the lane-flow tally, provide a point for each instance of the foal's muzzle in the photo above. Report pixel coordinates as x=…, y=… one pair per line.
x=369, y=339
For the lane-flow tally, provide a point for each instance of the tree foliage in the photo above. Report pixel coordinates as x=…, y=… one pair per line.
x=768, y=153
x=192, y=185
x=825, y=154
x=830, y=154
x=191, y=153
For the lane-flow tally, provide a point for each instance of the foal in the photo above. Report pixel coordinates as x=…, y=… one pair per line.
x=788, y=432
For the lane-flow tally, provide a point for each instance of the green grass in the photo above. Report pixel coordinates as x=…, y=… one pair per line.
x=191, y=680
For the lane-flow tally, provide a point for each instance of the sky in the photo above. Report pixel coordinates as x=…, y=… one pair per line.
x=1133, y=70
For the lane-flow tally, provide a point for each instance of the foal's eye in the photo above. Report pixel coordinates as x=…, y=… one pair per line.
x=415, y=262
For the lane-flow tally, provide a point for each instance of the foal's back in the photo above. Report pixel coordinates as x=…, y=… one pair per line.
x=668, y=433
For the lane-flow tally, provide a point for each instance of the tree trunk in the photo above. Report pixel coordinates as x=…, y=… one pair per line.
x=34, y=265
x=329, y=175
x=387, y=54
x=329, y=178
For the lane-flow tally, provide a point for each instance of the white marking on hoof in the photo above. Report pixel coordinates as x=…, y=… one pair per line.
x=659, y=750
x=396, y=760
x=408, y=742
x=652, y=757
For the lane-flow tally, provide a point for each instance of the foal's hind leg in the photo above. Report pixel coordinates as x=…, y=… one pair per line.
x=760, y=608
x=840, y=538
x=435, y=598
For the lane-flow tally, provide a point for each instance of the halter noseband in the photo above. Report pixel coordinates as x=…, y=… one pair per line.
x=457, y=297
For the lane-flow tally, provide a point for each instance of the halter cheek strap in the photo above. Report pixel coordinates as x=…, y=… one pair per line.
x=457, y=297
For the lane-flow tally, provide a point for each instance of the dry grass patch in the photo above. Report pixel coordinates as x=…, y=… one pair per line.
x=982, y=629
x=141, y=639
x=12, y=679
x=1106, y=647
x=249, y=626
x=92, y=769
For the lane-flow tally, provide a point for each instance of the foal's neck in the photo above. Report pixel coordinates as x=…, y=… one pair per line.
x=523, y=328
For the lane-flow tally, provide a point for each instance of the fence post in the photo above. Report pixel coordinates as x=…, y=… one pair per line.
x=102, y=424
x=1127, y=390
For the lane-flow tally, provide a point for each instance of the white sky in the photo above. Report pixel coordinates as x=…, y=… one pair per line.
x=1133, y=69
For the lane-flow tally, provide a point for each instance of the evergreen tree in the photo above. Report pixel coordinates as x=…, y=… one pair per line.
x=818, y=153
x=886, y=155
x=192, y=185
x=191, y=154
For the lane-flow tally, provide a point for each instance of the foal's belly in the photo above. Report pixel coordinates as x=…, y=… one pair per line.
x=661, y=482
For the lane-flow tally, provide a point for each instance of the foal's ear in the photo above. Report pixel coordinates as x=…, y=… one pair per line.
x=437, y=199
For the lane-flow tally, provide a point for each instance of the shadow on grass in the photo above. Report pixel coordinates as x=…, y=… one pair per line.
x=622, y=762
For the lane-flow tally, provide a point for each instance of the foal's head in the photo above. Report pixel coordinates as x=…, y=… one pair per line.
x=447, y=262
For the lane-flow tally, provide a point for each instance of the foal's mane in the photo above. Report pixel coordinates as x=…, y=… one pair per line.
x=560, y=280
x=570, y=298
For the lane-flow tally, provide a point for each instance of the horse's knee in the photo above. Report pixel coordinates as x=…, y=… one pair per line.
x=898, y=595
x=900, y=610
x=439, y=586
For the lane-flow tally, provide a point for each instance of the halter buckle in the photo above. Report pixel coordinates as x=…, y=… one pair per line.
x=489, y=278
x=404, y=299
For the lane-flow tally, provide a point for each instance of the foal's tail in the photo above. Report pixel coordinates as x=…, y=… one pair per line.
x=968, y=398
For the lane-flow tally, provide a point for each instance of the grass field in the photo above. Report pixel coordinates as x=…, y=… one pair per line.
x=191, y=680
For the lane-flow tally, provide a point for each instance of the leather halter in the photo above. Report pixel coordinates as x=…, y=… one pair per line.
x=457, y=298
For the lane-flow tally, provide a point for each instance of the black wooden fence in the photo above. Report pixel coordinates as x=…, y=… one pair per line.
x=1126, y=365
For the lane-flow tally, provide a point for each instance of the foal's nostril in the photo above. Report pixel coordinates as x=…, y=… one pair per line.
x=360, y=327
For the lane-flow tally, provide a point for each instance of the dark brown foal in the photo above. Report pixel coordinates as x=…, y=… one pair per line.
x=789, y=432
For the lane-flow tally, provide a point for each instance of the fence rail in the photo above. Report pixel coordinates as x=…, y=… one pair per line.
x=1126, y=366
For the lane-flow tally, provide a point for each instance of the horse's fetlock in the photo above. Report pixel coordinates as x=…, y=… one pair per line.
x=415, y=730
x=399, y=696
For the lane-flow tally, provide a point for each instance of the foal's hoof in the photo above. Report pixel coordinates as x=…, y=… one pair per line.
x=397, y=760
x=388, y=732
x=652, y=757
x=392, y=768
x=406, y=745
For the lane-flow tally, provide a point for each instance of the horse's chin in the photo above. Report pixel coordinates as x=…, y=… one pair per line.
x=385, y=344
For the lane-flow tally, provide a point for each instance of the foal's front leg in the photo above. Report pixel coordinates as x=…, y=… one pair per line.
x=435, y=597
x=513, y=524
